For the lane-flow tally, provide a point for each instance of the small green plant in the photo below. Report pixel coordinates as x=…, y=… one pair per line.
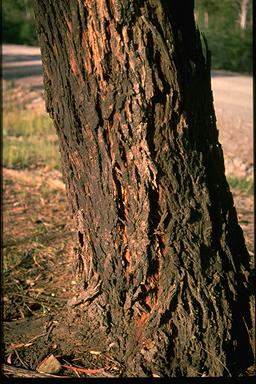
x=242, y=184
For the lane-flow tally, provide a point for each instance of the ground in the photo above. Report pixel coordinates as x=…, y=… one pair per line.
x=38, y=234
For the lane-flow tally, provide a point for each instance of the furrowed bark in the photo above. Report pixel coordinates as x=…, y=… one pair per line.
x=163, y=260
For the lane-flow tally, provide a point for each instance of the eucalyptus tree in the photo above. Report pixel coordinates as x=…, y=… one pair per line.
x=162, y=260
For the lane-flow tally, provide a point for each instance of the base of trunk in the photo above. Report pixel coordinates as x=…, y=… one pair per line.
x=84, y=332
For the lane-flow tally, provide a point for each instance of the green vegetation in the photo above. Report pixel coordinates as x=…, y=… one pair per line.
x=27, y=124
x=18, y=22
x=227, y=26
x=29, y=141
x=241, y=184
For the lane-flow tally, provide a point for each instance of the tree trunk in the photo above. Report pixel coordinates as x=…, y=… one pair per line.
x=163, y=260
x=243, y=14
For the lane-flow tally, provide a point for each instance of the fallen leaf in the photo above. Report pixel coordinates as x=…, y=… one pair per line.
x=49, y=365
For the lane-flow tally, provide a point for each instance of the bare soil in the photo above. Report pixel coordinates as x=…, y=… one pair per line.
x=39, y=238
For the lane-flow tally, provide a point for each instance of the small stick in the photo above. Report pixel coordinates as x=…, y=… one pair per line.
x=84, y=370
x=11, y=371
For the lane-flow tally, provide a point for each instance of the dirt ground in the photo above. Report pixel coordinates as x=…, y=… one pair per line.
x=39, y=238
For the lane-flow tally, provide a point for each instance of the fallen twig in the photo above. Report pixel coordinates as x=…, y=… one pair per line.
x=11, y=371
x=88, y=370
x=84, y=370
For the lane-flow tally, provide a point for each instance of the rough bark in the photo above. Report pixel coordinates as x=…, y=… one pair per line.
x=163, y=260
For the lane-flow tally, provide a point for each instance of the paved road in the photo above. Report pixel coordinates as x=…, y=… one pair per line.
x=20, y=61
x=233, y=101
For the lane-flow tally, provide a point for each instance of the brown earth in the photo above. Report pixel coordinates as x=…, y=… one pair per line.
x=39, y=238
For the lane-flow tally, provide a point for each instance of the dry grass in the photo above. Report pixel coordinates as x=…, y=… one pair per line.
x=29, y=141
